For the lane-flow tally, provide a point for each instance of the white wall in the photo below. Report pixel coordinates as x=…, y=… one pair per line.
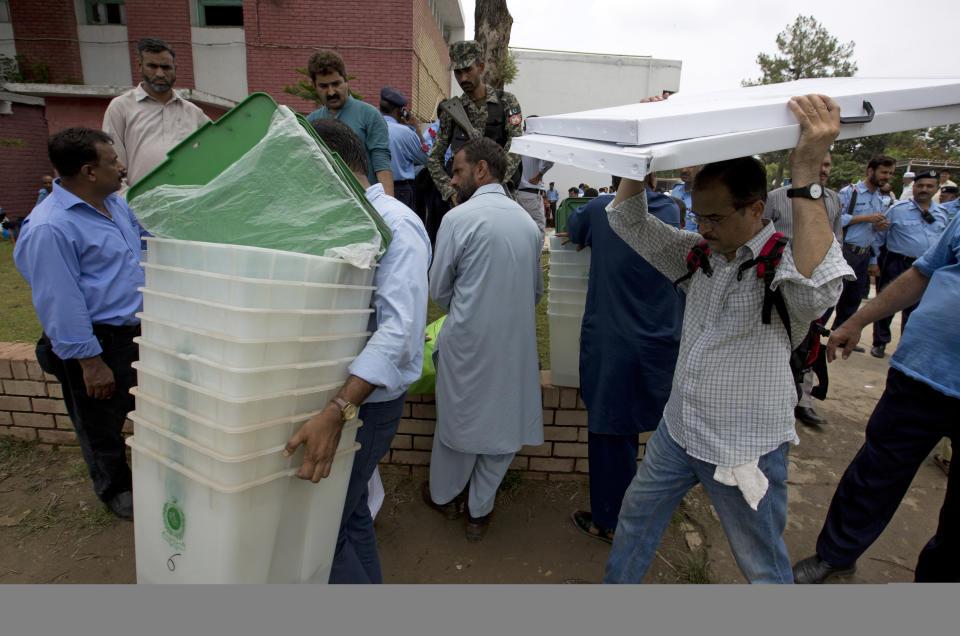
x=220, y=61
x=7, y=46
x=104, y=55
x=554, y=82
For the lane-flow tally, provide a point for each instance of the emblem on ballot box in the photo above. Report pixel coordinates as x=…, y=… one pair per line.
x=174, y=524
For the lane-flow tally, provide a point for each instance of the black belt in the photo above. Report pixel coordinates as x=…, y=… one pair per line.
x=395, y=182
x=530, y=190
x=856, y=249
x=907, y=259
x=117, y=330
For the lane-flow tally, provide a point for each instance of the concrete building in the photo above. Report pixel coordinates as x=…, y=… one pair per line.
x=84, y=52
x=556, y=82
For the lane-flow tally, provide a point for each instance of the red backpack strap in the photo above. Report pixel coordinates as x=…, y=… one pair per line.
x=697, y=258
x=766, y=263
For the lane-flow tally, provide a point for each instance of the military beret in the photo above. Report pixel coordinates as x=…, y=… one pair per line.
x=465, y=53
x=929, y=174
x=393, y=96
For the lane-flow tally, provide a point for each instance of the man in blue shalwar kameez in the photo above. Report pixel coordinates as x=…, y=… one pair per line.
x=628, y=349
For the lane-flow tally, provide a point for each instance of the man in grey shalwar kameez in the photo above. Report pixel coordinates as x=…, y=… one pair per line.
x=486, y=274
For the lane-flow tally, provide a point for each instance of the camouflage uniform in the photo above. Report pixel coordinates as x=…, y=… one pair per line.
x=506, y=121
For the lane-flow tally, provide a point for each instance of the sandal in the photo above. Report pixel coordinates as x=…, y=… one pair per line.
x=583, y=520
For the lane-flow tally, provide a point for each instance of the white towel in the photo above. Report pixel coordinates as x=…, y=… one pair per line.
x=747, y=477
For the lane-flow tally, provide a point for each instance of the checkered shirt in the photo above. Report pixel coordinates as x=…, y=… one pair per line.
x=733, y=392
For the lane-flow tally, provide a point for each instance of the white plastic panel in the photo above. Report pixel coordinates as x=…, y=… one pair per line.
x=686, y=116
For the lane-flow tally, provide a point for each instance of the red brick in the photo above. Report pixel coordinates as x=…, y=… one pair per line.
x=393, y=469
x=5, y=418
x=26, y=434
x=33, y=420
x=582, y=466
x=543, y=450
x=403, y=442
x=425, y=411
x=57, y=437
x=406, y=410
x=19, y=368
x=24, y=387
x=46, y=405
x=568, y=477
x=571, y=418
x=552, y=464
x=580, y=404
x=533, y=475
x=6, y=372
x=583, y=434
x=561, y=449
x=46, y=32
x=420, y=472
x=551, y=397
x=560, y=433
x=418, y=458
x=34, y=372
x=417, y=427
x=49, y=377
x=14, y=403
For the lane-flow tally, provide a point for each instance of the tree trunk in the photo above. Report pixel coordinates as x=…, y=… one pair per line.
x=492, y=24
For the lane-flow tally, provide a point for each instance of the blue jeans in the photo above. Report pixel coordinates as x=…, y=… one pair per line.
x=664, y=477
x=356, y=559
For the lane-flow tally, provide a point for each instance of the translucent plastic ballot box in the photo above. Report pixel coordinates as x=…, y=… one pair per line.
x=635, y=139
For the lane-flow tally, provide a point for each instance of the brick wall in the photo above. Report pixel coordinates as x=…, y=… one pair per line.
x=431, y=61
x=23, y=158
x=31, y=408
x=46, y=32
x=374, y=39
x=165, y=20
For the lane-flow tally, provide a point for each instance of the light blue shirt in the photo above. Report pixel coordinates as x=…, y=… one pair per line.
x=41, y=195
x=366, y=121
x=679, y=191
x=553, y=195
x=929, y=350
x=908, y=233
x=393, y=357
x=430, y=138
x=951, y=208
x=406, y=150
x=861, y=234
x=83, y=268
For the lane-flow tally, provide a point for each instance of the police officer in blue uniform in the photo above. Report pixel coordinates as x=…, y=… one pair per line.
x=915, y=225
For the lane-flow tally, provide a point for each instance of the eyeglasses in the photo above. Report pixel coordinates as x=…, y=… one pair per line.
x=715, y=219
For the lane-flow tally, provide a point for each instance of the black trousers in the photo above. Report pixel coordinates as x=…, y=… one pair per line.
x=99, y=423
x=891, y=266
x=853, y=290
x=908, y=422
x=436, y=209
x=405, y=193
x=613, y=463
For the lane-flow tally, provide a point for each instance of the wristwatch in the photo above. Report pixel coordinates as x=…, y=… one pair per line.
x=812, y=191
x=348, y=410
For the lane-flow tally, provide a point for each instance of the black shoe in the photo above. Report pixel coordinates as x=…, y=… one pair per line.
x=449, y=510
x=859, y=349
x=808, y=416
x=477, y=527
x=877, y=351
x=816, y=570
x=122, y=505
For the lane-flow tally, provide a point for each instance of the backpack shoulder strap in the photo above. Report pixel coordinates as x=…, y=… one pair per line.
x=766, y=263
x=697, y=258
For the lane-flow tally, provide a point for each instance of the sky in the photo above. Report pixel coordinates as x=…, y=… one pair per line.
x=718, y=40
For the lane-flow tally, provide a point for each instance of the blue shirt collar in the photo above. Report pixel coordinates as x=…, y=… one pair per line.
x=374, y=192
x=390, y=118
x=68, y=200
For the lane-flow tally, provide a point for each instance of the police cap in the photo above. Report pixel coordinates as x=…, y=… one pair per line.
x=393, y=96
x=929, y=174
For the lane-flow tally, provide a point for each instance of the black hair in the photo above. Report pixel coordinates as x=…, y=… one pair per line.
x=881, y=160
x=72, y=148
x=324, y=62
x=388, y=107
x=591, y=193
x=341, y=139
x=152, y=45
x=745, y=178
x=486, y=149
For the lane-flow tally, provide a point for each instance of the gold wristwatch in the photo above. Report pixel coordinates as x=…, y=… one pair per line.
x=348, y=410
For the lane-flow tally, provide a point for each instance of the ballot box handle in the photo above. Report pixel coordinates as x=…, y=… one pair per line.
x=860, y=119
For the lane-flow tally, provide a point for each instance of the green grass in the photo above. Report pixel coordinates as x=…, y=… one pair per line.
x=19, y=322
x=695, y=570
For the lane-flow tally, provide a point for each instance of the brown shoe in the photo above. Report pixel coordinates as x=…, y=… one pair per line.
x=451, y=511
x=477, y=527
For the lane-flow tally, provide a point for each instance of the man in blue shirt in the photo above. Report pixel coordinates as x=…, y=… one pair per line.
x=915, y=225
x=47, y=183
x=918, y=407
x=406, y=149
x=389, y=363
x=80, y=253
x=949, y=201
x=329, y=76
x=862, y=219
x=629, y=343
x=684, y=192
x=552, y=197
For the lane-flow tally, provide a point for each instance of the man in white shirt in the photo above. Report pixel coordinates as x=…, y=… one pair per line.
x=147, y=121
x=729, y=420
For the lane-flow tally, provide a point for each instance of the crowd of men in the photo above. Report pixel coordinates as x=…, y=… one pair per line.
x=737, y=281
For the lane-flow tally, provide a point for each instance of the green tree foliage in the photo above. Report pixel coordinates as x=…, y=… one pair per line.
x=806, y=50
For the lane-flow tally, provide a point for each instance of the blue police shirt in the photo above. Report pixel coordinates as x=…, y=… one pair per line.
x=929, y=350
x=908, y=233
x=430, y=138
x=861, y=234
x=83, y=268
x=406, y=150
x=951, y=208
x=553, y=195
x=630, y=336
x=679, y=191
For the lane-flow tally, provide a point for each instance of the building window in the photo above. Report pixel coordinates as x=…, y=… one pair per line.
x=220, y=13
x=4, y=11
x=106, y=12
